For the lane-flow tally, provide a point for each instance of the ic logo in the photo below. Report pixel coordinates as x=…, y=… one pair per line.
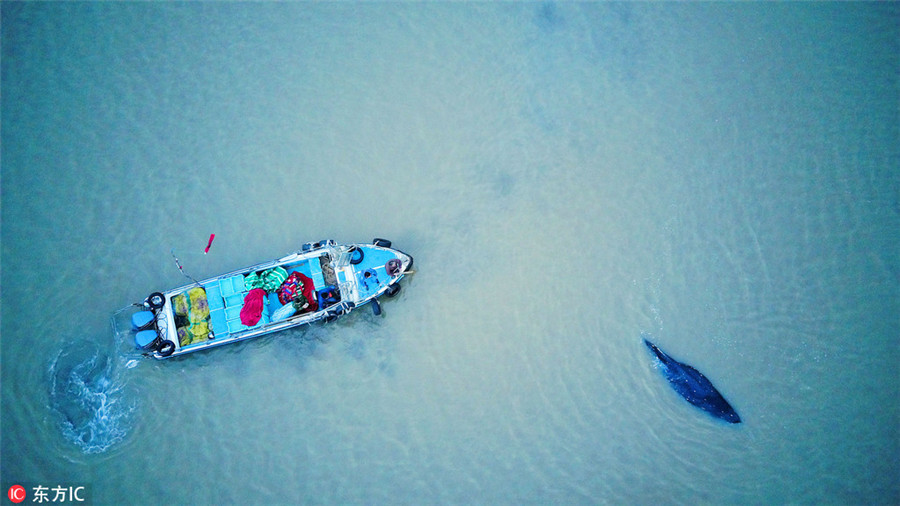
x=16, y=493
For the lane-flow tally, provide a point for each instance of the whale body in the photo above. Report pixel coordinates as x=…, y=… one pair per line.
x=694, y=386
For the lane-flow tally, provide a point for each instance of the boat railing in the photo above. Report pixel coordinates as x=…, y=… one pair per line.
x=341, y=257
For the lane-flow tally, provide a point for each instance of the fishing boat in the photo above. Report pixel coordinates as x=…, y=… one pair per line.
x=320, y=282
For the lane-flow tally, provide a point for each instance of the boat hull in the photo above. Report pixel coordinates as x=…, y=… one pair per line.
x=257, y=300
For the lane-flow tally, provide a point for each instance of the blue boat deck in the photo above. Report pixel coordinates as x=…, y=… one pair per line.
x=371, y=274
x=225, y=297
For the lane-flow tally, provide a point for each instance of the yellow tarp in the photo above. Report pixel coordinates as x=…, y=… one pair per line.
x=196, y=308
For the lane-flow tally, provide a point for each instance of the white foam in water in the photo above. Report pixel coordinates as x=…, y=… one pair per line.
x=88, y=399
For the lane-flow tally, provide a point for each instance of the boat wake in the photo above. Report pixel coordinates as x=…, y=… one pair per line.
x=87, y=398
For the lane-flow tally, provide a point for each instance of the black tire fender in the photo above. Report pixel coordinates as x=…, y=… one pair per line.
x=156, y=300
x=354, y=259
x=392, y=290
x=384, y=243
x=166, y=348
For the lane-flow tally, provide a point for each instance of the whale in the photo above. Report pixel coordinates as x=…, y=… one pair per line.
x=693, y=386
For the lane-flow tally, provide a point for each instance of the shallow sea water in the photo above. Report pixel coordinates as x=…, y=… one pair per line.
x=567, y=176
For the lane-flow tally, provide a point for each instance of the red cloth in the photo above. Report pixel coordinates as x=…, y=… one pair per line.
x=298, y=282
x=253, y=307
x=290, y=288
x=309, y=291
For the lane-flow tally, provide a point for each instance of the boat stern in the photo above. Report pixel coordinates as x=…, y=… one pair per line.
x=141, y=328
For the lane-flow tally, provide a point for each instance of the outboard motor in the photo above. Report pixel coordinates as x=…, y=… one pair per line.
x=146, y=340
x=142, y=320
x=143, y=323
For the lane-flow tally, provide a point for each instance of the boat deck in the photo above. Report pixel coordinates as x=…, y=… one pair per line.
x=225, y=300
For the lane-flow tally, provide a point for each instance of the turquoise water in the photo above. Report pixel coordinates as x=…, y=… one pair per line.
x=567, y=176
